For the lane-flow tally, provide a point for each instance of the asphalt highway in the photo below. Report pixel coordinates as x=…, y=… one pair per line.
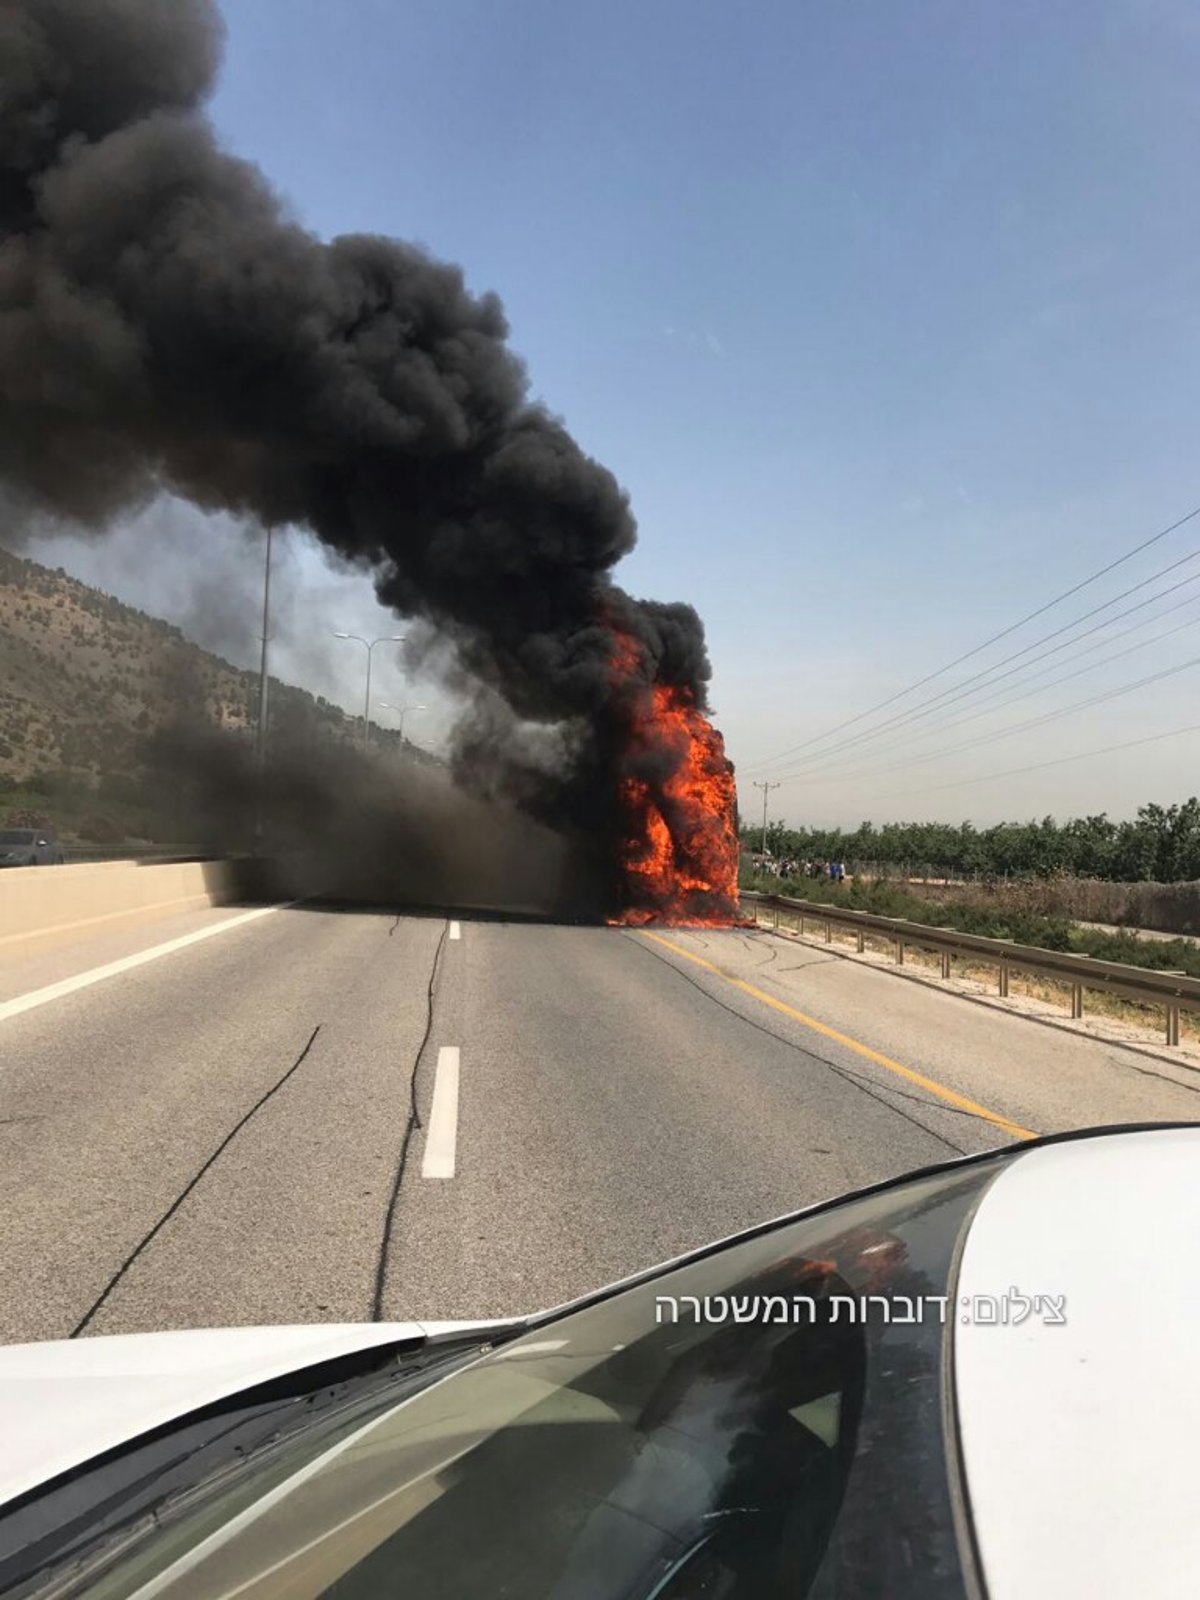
x=335, y=1115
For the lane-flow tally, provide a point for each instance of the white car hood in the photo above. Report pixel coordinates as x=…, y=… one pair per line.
x=1078, y=1434
x=64, y=1402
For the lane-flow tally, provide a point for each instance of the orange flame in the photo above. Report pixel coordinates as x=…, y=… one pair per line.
x=680, y=847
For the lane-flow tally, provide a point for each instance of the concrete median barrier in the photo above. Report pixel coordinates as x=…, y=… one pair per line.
x=41, y=907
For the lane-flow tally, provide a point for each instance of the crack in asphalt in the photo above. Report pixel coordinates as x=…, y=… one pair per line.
x=858, y=1080
x=1150, y=1072
x=147, y=1238
x=801, y=966
x=413, y=1122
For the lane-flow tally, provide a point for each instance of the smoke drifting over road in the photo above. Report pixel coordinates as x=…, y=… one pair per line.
x=164, y=325
x=342, y=829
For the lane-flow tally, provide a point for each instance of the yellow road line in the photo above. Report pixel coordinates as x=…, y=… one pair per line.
x=950, y=1096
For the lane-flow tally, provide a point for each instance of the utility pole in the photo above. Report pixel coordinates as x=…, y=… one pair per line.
x=766, y=789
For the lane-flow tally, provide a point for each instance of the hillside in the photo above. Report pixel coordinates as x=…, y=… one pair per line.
x=86, y=685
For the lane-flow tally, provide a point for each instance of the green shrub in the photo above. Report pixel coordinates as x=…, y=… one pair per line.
x=98, y=829
x=884, y=899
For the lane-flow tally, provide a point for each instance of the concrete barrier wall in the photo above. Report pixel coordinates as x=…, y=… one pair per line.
x=44, y=906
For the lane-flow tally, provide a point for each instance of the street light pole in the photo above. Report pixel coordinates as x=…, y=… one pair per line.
x=403, y=711
x=367, y=701
x=263, y=687
x=766, y=788
x=369, y=646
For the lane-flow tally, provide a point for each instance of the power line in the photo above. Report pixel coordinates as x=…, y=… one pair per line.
x=1019, y=727
x=1040, y=766
x=989, y=677
x=996, y=703
x=987, y=643
x=982, y=678
x=1099, y=645
x=989, y=709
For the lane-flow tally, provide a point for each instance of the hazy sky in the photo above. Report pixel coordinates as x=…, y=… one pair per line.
x=887, y=315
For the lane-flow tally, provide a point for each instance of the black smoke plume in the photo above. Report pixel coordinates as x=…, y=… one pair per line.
x=343, y=829
x=166, y=326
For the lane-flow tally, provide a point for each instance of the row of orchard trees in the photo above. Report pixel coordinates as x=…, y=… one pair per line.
x=1162, y=844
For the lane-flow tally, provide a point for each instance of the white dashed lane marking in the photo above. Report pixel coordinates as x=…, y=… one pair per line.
x=441, y=1141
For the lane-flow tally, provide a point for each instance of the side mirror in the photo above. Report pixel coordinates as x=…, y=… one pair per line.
x=42, y=843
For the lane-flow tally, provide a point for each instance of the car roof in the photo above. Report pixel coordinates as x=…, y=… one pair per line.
x=1078, y=1437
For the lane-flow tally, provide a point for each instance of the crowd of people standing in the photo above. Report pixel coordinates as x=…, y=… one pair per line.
x=790, y=867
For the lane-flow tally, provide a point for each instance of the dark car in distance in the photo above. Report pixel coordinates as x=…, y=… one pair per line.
x=30, y=847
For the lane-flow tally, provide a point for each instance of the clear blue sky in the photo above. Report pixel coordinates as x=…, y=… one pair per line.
x=886, y=314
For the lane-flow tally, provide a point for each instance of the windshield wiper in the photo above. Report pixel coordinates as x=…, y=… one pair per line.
x=57, y=1533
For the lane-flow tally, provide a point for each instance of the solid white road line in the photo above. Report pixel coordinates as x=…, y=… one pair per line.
x=84, y=980
x=456, y=930
x=441, y=1141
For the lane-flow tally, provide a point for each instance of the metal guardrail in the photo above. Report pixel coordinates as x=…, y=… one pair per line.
x=129, y=852
x=1175, y=992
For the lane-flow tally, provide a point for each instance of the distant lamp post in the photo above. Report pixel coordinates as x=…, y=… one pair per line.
x=401, y=712
x=369, y=646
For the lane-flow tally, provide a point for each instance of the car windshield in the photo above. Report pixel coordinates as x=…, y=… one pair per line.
x=17, y=836
x=731, y=1428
